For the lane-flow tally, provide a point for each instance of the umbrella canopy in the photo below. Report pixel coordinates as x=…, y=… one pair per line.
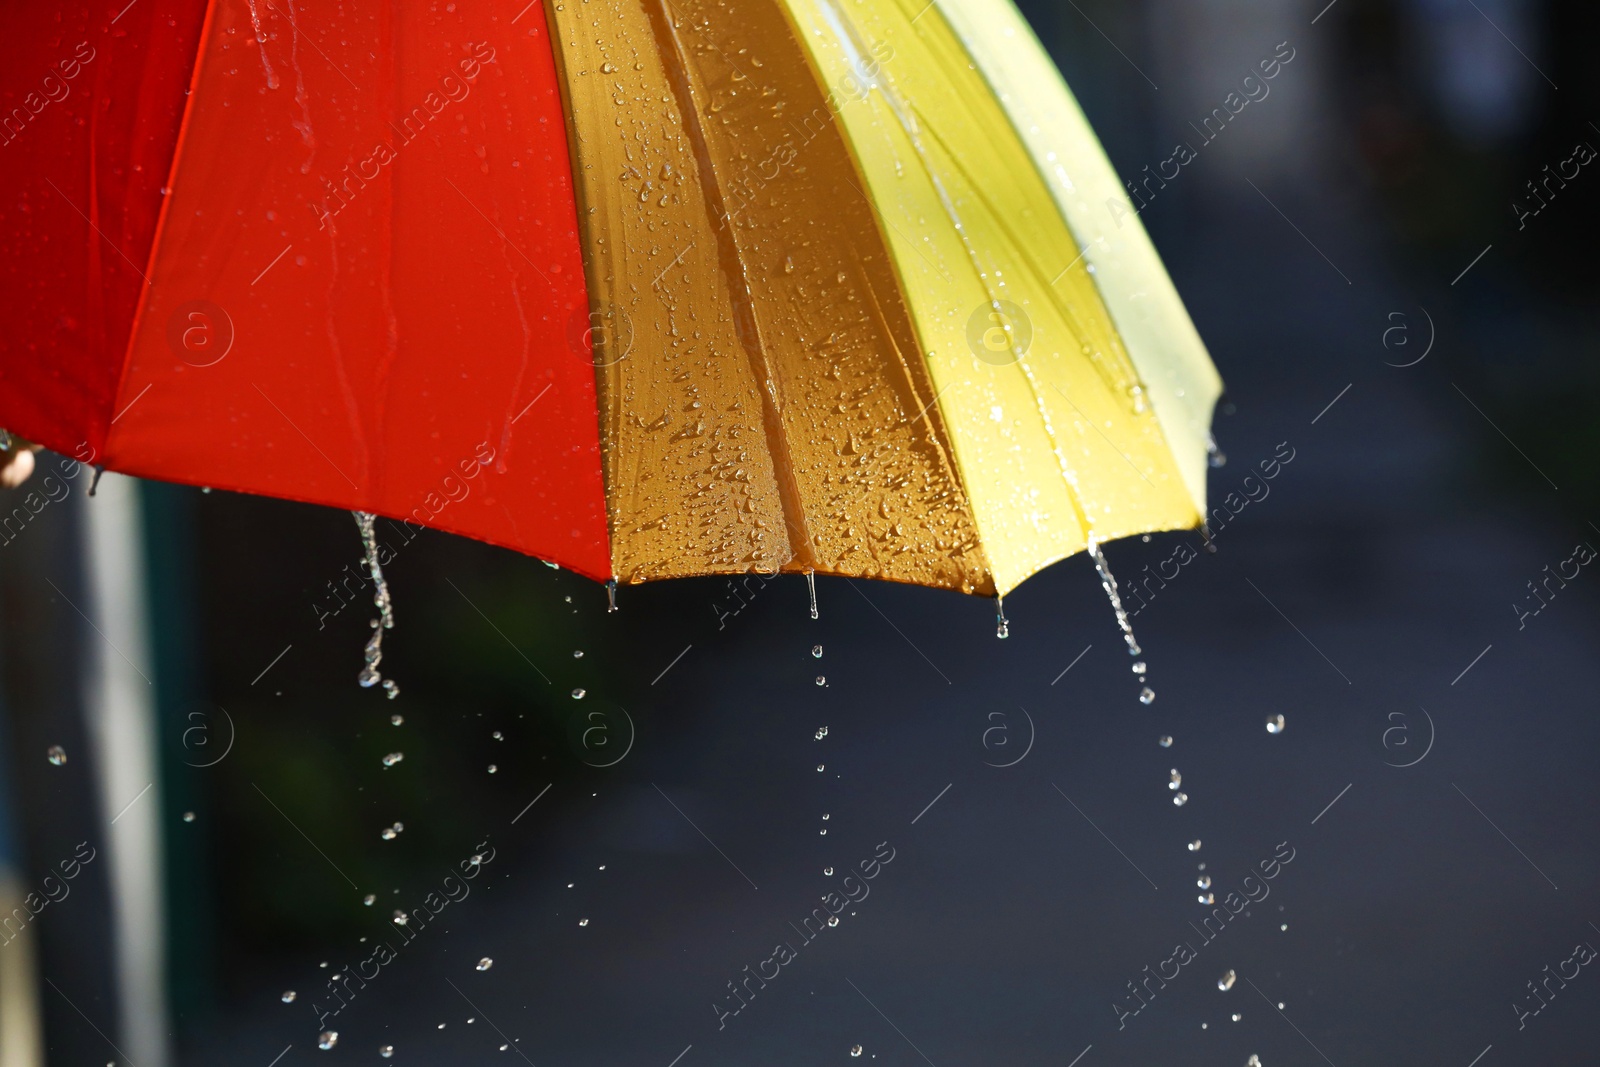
x=647, y=288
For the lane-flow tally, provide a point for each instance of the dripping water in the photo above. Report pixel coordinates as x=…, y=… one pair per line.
x=811, y=584
x=611, y=596
x=94, y=483
x=1215, y=456
x=1002, y=625
x=1108, y=582
x=373, y=653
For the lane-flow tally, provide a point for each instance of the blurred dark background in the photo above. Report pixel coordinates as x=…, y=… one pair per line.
x=1382, y=309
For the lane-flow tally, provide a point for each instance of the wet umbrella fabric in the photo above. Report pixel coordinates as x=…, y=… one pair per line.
x=647, y=288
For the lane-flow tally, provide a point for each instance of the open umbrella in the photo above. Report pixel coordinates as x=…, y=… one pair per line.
x=646, y=288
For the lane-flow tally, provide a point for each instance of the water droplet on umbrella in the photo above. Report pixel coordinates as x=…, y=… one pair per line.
x=327, y=1039
x=56, y=755
x=396, y=720
x=288, y=996
x=811, y=586
x=816, y=650
x=1275, y=724
x=370, y=899
x=392, y=758
x=485, y=963
x=1166, y=741
x=855, y=1050
x=1194, y=846
x=583, y=922
x=1147, y=695
x=386, y=1051
x=1180, y=799
x=1225, y=983
x=579, y=694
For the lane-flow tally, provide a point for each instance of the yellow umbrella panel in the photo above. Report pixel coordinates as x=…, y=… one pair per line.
x=867, y=311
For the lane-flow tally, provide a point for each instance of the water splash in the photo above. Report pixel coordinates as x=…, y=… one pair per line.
x=811, y=584
x=1002, y=625
x=373, y=653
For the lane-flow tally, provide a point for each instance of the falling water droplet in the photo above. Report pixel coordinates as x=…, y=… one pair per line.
x=1147, y=695
x=56, y=755
x=288, y=996
x=822, y=680
x=579, y=694
x=188, y=816
x=401, y=918
x=1207, y=898
x=485, y=963
x=833, y=920
x=498, y=736
x=493, y=768
x=327, y=1039
x=1275, y=724
x=1138, y=668
x=94, y=483
x=396, y=720
x=825, y=816
x=1194, y=846
x=816, y=650
x=373, y=653
x=1218, y=457
x=370, y=899
x=1225, y=983
x=1180, y=799
x=828, y=871
x=386, y=1051
x=583, y=922
x=1253, y=1061
x=392, y=758
x=1236, y=1016
x=822, y=731
x=578, y=654
x=611, y=596
x=1177, y=779
x=823, y=831
x=819, y=768
x=855, y=1050
x=1166, y=741
x=1109, y=583
x=1204, y=881
x=1002, y=627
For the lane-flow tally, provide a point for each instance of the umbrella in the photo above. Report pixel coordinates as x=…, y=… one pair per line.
x=646, y=288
